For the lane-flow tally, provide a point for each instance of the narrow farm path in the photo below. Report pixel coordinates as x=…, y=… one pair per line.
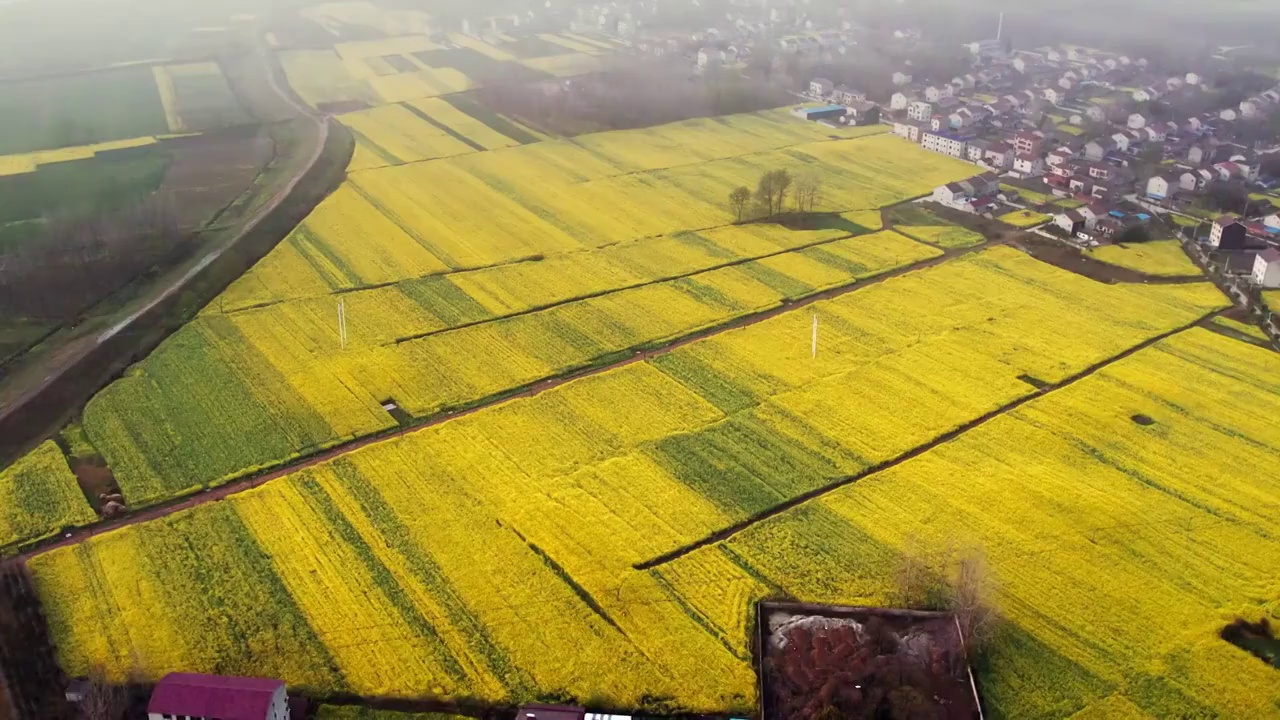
x=731, y=530
x=248, y=482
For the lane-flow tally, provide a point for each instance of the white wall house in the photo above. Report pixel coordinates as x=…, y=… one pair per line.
x=920, y=111
x=1159, y=187
x=898, y=101
x=818, y=87
x=1266, y=269
x=943, y=144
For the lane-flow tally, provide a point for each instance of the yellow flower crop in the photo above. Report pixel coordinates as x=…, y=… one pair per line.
x=1156, y=257
x=39, y=496
x=944, y=236
x=464, y=551
x=401, y=134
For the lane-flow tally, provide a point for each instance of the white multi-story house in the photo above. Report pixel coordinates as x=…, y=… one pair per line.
x=818, y=87
x=901, y=78
x=909, y=131
x=1266, y=269
x=934, y=93
x=920, y=111
x=1028, y=166
x=943, y=143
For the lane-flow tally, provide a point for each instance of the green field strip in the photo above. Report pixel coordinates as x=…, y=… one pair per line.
x=492, y=119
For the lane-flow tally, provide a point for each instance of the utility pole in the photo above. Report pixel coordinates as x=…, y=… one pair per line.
x=1000, y=28
x=815, y=334
x=342, y=323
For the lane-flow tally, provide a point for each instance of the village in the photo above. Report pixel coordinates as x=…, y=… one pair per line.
x=1083, y=145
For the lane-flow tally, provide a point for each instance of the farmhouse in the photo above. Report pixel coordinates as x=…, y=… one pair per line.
x=944, y=143
x=824, y=112
x=1227, y=233
x=898, y=101
x=1161, y=187
x=818, y=87
x=1266, y=269
x=536, y=711
x=846, y=95
x=908, y=130
x=214, y=697
x=920, y=111
x=1028, y=165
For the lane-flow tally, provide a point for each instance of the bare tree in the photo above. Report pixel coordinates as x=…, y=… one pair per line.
x=807, y=185
x=104, y=700
x=971, y=600
x=958, y=582
x=771, y=191
x=739, y=199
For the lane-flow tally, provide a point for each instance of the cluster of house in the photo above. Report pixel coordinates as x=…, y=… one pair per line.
x=978, y=195
x=845, y=105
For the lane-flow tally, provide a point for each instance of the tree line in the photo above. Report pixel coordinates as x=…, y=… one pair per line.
x=770, y=197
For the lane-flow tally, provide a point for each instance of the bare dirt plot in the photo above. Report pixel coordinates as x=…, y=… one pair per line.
x=210, y=171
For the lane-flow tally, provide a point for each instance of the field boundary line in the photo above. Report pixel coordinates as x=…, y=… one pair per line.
x=235, y=486
x=644, y=284
x=732, y=530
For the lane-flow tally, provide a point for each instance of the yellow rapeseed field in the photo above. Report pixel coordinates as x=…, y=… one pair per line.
x=569, y=205
x=1156, y=257
x=471, y=551
x=38, y=497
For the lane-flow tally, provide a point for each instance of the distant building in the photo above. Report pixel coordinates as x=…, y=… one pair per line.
x=1160, y=187
x=898, y=101
x=824, y=112
x=820, y=87
x=901, y=78
x=943, y=143
x=213, y=697
x=846, y=95
x=1266, y=269
x=920, y=111
x=1028, y=165
x=907, y=130
x=1227, y=233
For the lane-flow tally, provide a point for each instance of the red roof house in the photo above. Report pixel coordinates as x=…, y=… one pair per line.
x=214, y=696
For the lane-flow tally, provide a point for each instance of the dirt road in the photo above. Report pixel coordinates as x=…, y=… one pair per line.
x=68, y=357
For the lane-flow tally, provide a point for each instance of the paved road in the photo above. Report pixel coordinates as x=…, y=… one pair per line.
x=234, y=487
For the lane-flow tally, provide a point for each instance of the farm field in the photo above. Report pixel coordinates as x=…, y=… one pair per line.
x=101, y=182
x=425, y=129
x=1246, y=329
x=943, y=236
x=196, y=97
x=83, y=109
x=462, y=546
x=1024, y=218
x=38, y=497
x=506, y=250
x=412, y=67
x=1162, y=258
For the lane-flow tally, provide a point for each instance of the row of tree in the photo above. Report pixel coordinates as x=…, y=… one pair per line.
x=771, y=193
